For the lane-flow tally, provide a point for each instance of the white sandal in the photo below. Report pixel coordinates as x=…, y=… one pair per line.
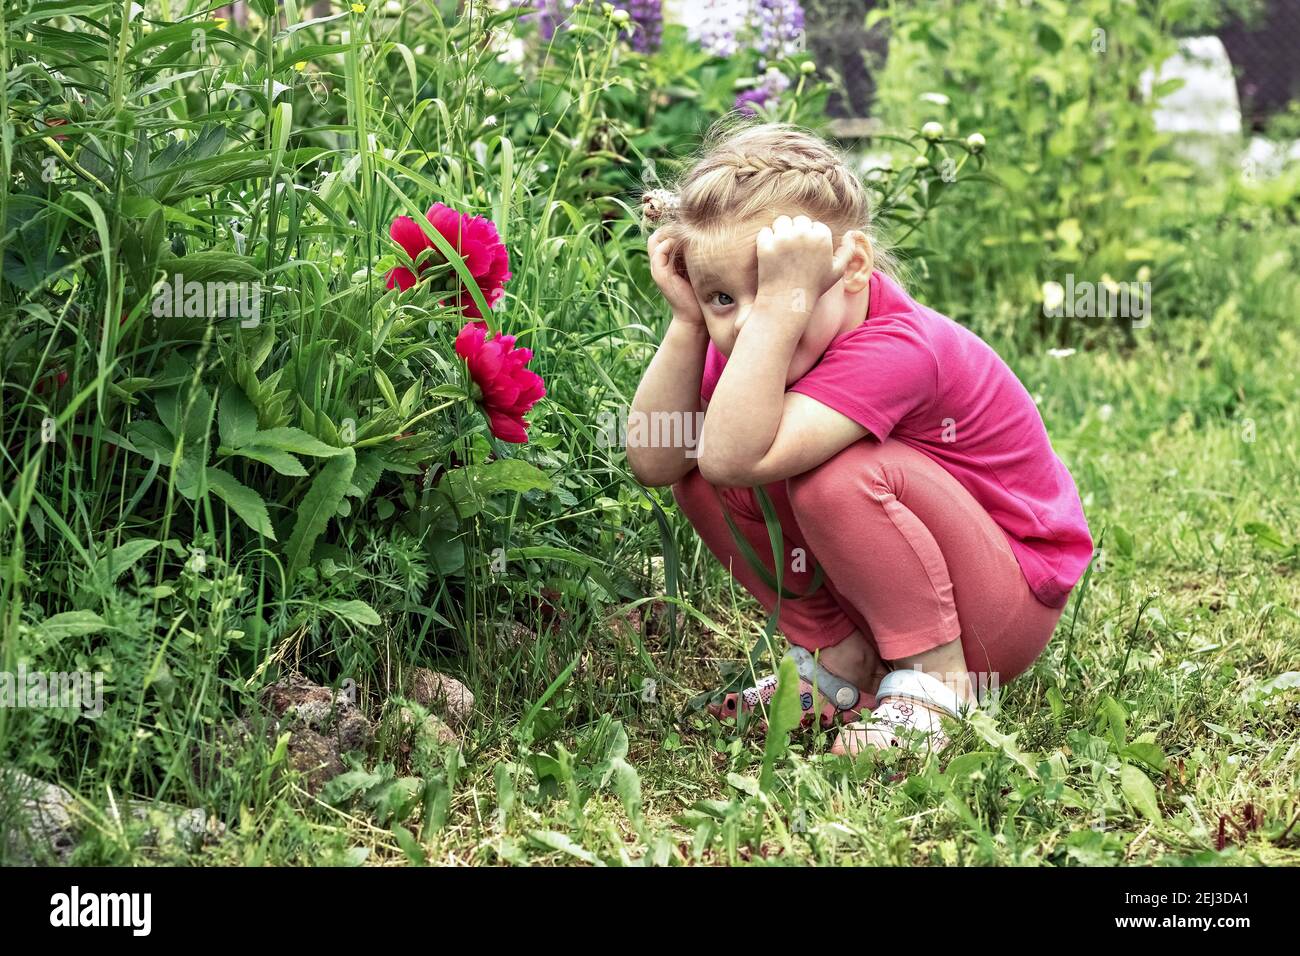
x=910, y=708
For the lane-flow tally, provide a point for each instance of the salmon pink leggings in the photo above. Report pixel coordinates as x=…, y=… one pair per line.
x=909, y=558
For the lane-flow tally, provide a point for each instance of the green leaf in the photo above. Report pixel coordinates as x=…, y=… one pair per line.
x=553, y=840
x=70, y=624
x=468, y=486
x=237, y=419
x=1147, y=752
x=985, y=727
x=355, y=611
x=1115, y=718
x=186, y=413
x=152, y=440
x=783, y=716
x=211, y=264
x=318, y=505
x=386, y=389
x=243, y=500
x=315, y=21
x=1265, y=535
x=370, y=465
x=627, y=784
x=297, y=441
x=121, y=558
x=1139, y=792
x=447, y=552
x=1289, y=680
x=965, y=765
x=281, y=461
x=409, y=844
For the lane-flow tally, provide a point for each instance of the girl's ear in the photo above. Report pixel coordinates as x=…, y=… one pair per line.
x=862, y=260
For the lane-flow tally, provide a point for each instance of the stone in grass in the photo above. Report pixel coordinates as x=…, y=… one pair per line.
x=407, y=729
x=38, y=820
x=315, y=757
x=441, y=693
x=43, y=821
x=432, y=728
x=297, y=703
x=169, y=825
x=323, y=724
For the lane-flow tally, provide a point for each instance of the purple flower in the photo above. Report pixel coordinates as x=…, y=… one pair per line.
x=773, y=85
x=773, y=28
x=550, y=14
x=779, y=25
x=718, y=27
x=648, y=23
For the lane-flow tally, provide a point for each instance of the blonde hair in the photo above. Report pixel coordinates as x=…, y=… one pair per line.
x=754, y=171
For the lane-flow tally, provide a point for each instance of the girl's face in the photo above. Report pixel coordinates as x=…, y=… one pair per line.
x=725, y=280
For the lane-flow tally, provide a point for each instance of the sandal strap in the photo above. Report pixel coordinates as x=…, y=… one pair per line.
x=921, y=687
x=840, y=692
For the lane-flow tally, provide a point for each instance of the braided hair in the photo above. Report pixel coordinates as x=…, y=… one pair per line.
x=753, y=172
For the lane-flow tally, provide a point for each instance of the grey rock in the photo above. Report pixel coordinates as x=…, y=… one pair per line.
x=442, y=694
x=39, y=827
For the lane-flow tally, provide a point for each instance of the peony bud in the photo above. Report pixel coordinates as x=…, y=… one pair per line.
x=975, y=142
x=932, y=130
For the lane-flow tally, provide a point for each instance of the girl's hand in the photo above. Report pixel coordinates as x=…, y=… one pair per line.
x=797, y=263
x=676, y=288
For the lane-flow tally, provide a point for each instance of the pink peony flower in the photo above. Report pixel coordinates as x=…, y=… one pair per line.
x=474, y=238
x=509, y=389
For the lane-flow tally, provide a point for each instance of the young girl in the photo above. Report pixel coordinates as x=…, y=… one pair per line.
x=932, y=535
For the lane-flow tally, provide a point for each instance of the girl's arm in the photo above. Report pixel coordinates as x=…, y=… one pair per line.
x=667, y=402
x=755, y=432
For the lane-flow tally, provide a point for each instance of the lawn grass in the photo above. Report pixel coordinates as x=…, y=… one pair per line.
x=1160, y=668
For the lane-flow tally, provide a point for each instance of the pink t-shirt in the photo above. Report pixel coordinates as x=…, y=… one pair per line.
x=916, y=376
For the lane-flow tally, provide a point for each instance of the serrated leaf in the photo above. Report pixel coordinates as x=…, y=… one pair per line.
x=281, y=461
x=152, y=440
x=1288, y=680
x=243, y=500
x=287, y=438
x=318, y=506
x=466, y=486
x=370, y=465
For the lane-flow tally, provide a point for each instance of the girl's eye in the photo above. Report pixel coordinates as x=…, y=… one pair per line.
x=722, y=299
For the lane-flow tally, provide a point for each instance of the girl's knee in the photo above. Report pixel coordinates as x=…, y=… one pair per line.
x=863, y=466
